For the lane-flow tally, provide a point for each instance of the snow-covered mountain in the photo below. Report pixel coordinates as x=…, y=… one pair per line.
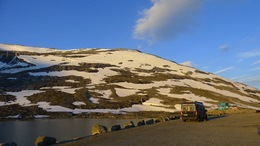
x=104, y=80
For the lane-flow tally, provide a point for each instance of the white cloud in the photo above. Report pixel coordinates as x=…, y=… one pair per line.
x=224, y=47
x=187, y=63
x=249, y=79
x=256, y=62
x=250, y=54
x=254, y=69
x=237, y=77
x=223, y=70
x=166, y=19
x=253, y=81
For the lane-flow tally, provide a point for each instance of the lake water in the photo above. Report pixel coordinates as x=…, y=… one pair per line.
x=24, y=133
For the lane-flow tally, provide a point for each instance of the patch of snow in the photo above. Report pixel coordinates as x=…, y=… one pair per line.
x=53, y=108
x=169, y=82
x=4, y=65
x=12, y=78
x=247, y=106
x=137, y=108
x=78, y=103
x=125, y=92
x=25, y=48
x=66, y=89
x=142, y=73
x=96, y=78
x=14, y=117
x=40, y=61
x=21, y=97
x=94, y=100
x=190, y=96
x=71, y=81
x=154, y=102
x=41, y=116
x=2, y=103
x=81, y=55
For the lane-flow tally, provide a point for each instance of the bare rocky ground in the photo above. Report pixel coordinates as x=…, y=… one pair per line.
x=233, y=130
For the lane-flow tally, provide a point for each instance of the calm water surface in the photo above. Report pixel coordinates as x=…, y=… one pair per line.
x=24, y=133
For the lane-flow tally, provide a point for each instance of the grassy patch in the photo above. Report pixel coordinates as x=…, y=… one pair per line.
x=6, y=98
x=26, y=82
x=199, y=92
x=16, y=109
x=64, y=99
x=229, y=111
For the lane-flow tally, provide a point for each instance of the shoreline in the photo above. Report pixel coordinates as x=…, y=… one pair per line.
x=129, y=115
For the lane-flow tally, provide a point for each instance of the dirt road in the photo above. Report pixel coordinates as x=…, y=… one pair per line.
x=233, y=130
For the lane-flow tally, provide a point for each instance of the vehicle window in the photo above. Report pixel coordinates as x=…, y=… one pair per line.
x=192, y=108
x=188, y=108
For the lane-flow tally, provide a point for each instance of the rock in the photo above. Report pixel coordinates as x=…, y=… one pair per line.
x=162, y=119
x=157, y=120
x=129, y=125
x=149, y=122
x=166, y=118
x=115, y=128
x=98, y=129
x=141, y=123
x=9, y=144
x=173, y=118
x=44, y=140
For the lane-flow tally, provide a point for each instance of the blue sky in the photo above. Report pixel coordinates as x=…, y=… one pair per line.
x=218, y=36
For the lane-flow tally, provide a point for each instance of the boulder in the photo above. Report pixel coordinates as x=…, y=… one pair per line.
x=44, y=140
x=115, y=128
x=129, y=125
x=173, y=118
x=162, y=119
x=141, y=123
x=149, y=122
x=98, y=129
x=8, y=144
x=166, y=119
x=158, y=120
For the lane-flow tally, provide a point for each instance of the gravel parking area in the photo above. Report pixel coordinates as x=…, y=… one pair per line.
x=235, y=130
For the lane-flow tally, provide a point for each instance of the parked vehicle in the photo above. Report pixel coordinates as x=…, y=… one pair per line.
x=193, y=111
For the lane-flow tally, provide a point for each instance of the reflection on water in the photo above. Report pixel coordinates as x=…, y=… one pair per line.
x=26, y=132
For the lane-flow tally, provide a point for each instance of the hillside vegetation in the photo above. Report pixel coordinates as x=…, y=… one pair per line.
x=47, y=81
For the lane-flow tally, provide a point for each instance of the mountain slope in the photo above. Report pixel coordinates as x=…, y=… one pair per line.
x=103, y=80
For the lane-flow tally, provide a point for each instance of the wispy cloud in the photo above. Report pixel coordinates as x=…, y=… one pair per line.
x=187, y=63
x=249, y=54
x=252, y=81
x=256, y=62
x=223, y=70
x=237, y=77
x=166, y=19
x=224, y=47
x=254, y=69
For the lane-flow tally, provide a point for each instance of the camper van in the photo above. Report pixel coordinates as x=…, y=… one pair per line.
x=193, y=111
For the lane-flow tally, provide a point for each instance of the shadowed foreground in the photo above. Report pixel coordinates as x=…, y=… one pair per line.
x=238, y=129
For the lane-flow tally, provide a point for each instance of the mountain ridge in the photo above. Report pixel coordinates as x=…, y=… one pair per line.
x=109, y=80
